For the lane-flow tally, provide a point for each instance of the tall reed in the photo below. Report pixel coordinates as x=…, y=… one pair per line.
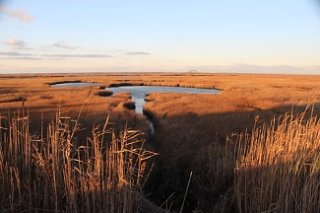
x=57, y=171
x=278, y=167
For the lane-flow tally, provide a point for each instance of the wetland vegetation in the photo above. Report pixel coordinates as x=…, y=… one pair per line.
x=251, y=148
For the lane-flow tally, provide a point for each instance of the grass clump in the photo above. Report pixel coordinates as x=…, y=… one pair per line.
x=56, y=171
x=278, y=167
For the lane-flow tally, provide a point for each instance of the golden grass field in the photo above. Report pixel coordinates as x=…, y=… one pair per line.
x=236, y=151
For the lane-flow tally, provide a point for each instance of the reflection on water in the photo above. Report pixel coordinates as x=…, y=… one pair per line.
x=75, y=84
x=138, y=93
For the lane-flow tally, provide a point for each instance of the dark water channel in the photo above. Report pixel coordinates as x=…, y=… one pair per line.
x=138, y=96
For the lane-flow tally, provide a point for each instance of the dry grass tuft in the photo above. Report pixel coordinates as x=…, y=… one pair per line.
x=56, y=171
x=278, y=167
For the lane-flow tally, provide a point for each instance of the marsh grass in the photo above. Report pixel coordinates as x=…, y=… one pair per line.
x=56, y=171
x=278, y=166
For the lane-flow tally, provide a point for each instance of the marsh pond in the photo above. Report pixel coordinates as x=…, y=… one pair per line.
x=138, y=93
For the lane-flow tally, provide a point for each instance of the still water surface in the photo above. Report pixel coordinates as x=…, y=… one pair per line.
x=75, y=84
x=138, y=93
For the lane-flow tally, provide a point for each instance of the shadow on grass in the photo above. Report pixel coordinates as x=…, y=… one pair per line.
x=205, y=145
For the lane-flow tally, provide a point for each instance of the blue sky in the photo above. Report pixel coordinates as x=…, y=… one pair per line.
x=268, y=36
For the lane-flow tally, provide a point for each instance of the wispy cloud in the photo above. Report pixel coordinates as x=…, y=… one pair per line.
x=138, y=53
x=19, y=55
x=63, y=45
x=15, y=54
x=19, y=14
x=22, y=58
x=16, y=44
x=77, y=55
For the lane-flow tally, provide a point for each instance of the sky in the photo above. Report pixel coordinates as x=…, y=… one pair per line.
x=265, y=36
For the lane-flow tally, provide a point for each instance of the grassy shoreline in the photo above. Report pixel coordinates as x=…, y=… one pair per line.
x=197, y=133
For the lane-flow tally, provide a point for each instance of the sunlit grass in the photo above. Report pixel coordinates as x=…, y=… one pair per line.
x=278, y=166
